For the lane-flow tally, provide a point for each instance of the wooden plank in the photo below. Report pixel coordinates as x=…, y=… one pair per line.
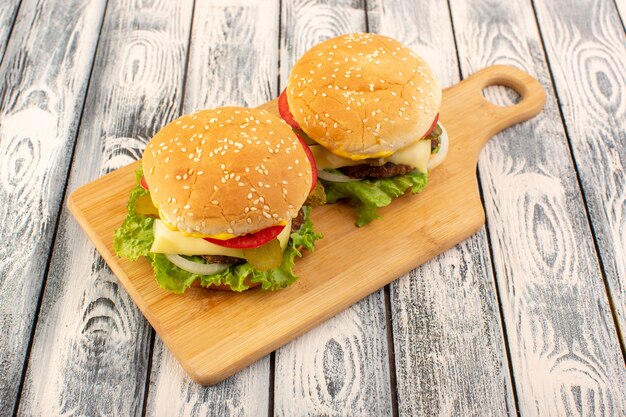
x=564, y=349
x=342, y=367
x=42, y=88
x=586, y=48
x=8, y=12
x=448, y=304
x=233, y=61
x=90, y=352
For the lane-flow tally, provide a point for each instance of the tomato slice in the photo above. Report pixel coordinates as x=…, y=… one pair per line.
x=283, y=109
x=143, y=183
x=309, y=155
x=432, y=126
x=252, y=240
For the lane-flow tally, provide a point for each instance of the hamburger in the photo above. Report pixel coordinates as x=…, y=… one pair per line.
x=370, y=106
x=219, y=202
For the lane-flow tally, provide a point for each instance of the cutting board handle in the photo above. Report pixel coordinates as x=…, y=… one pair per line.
x=485, y=119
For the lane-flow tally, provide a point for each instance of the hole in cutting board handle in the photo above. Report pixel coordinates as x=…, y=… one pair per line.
x=501, y=95
x=508, y=95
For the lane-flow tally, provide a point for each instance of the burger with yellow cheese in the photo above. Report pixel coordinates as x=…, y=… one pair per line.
x=219, y=202
x=371, y=105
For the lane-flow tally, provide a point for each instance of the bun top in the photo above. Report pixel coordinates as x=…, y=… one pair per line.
x=363, y=95
x=228, y=170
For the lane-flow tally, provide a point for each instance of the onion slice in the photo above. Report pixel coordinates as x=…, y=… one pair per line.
x=438, y=158
x=329, y=176
x=195, y=267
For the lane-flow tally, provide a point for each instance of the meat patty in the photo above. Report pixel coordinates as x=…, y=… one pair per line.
x=296, y=222
x=434, y=143
x=221, y=259
x=376, y=171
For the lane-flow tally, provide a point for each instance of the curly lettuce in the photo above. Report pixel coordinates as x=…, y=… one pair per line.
x=135, y=236
x=369, y=195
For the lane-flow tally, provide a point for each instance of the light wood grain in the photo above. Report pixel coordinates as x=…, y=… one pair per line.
x=565, y=354
x=42, y=87
x=8, y=12
x=450, y=356
x=173, y=393
x=233, y=60
x=587, y=52
x=339, y=368
x=90, y=352
x=342, y=367
x=308, y=22
x=621, y=7
x=336, y=276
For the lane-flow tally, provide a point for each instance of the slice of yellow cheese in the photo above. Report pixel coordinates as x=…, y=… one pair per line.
x=415, y=155
x=174, y=242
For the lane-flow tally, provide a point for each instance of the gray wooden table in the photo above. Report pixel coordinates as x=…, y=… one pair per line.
x=522, y=318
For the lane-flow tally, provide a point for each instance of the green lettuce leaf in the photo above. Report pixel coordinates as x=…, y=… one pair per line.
x=369, y=195
x=274, y=279
x=134, y=238
x=169, y=276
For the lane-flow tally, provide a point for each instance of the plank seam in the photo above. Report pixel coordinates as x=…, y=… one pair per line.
x=272, y=384
x=456, y=45
x=57, y=221
x=6, y=45
x=505, y=334
x=280, y=22
x=393, y=382
x=367, y=18
x=590, y=224
x=187, y=54
x=146, y=391
x=272, y=373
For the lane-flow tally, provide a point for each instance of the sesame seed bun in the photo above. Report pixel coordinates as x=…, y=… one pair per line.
x=363, y=95
x=227, y=170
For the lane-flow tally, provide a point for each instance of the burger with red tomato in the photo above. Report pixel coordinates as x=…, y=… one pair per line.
x=220, y=202
x=370, y=108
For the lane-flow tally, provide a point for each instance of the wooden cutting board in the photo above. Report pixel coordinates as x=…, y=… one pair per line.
x=214, y=334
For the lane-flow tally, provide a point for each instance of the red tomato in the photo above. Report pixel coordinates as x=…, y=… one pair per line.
x=283, y=109
x=252, y=240
x=309, y=155
x=432, y=126
x=143, y=183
